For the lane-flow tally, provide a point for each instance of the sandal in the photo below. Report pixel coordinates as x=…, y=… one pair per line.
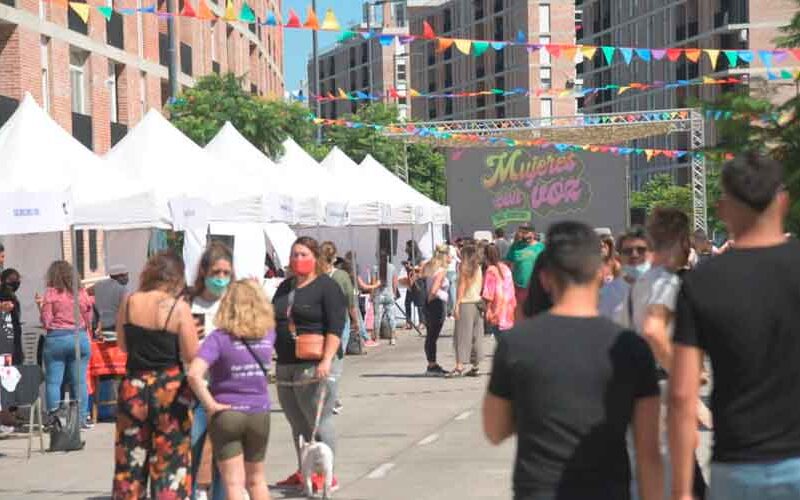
x=473, y=372
x=455, y=373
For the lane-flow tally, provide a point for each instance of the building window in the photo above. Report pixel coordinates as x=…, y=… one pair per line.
x=44, y=51
x=448, y=76
x=544, y=55
x=432, y=80
x=477, y=5
x=364, y=52
x=500, y=83
x=399, y=14
x=143, y=91
x=448, y=107
x=448, y=54
x=546, y=77
x=499, y=33
x=498, y=6
x=500, y=61
x=79, y=249
x=93, y=250
x=77, y=80
x=448, y=20
x=432, y=109
x=331, y=66
x=365, y=77
x=501, y=111
x=480, y=68
x=113, y=94
x=544, y=18
x=402, y=101
x=431, y=50
x=213, y=41
x=545, y=110
x=480, y=101
x=401, y=72
x=352, y=56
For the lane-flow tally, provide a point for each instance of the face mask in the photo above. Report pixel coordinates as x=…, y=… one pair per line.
x=303, y=266
x=635, y=272
x=217, y=286
x=14, y=285
x=123, y=280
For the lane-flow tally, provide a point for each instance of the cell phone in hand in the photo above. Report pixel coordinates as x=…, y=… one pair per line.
x=200, y=322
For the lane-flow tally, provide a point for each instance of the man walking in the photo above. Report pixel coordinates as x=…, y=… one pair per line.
x=570, y=391
x=522, y=257
x=741, y=308
x=501, y=242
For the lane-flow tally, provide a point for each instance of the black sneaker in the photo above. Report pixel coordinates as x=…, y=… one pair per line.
x=435, y=371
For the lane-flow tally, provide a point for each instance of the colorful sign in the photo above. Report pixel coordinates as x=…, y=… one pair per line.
x=513, y=186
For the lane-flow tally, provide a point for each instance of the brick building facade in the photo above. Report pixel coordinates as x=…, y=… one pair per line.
x=97, y=79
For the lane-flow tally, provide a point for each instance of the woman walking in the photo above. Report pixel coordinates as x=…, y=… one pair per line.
x=154, y=409
x=214, y=274
x=468, y=335
x=498, y=292
x=58, y=319
x=236, y=355
x=383, y=297
x=309, y=313
x=438, y=287
x=10, y=281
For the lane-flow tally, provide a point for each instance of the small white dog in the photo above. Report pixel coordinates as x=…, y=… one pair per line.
x=316, y=457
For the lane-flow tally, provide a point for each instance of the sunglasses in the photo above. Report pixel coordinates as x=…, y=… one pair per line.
x=628, y=251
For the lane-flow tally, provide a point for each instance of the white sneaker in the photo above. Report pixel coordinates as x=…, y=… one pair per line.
x=6, y=430
x=392, y=341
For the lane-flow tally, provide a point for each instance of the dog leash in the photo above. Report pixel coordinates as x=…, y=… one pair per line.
x=322, y=394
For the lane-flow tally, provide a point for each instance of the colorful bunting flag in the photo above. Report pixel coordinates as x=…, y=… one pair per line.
x=658, y=54
x=444, y=44
x=733, y=57
x=498, y=45
x=271, y=20
x=347, y=35
x=746, y=56
x=627, y=54
x=342, y=94
x=568, y=52
x=766, y=56
x=386, y=40
x=693, y=54
x=463, y=45
x=82, y=9
x=713, y=56
x=106, y=11
x=246, y=14
x=230, y=12
x=427, y=31
x=588, y=51
x=203, y=12
x=553, y=50
x=294, y=20
x=521, y=38
x=674, y=54
x=312, y=22
x=608, y=52
x=643, y=54
x=478, y=48
x=330, y=23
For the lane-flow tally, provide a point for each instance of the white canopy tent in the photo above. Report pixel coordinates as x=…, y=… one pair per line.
x=363, y=197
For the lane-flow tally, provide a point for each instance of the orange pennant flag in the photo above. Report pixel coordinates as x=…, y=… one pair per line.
x=713, y=56
x=693, y=54
x=203, y=12
x=62, y=3
x=187, y=10
x=443, y=44
x=588, y=51
x=312, y=22
x=568, y=52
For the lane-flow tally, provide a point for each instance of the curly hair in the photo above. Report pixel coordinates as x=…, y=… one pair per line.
x=244, y=311
x=60, y=276
x=163, y=271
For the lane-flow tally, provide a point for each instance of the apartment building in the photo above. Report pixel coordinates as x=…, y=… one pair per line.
x=450, y=71
x=97, y=79
x=709, y=24
x=367, y=66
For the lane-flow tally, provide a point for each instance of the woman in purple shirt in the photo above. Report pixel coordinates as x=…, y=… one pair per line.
x=236, y=356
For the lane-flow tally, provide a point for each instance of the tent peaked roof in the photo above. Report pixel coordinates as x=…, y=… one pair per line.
x=230, y=144
x=296, y=156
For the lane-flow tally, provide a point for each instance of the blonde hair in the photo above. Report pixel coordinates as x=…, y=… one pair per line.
x=438, y=261
x=244, y=311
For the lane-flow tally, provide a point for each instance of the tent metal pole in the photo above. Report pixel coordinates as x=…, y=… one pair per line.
x=76, y=314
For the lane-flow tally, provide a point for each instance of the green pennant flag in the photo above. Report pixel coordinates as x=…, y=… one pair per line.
x=733, y=57
x=346, y=35
x=247, y=15
x=786, y=74
x=106, y=11
x=609, y=53
x=478, y=48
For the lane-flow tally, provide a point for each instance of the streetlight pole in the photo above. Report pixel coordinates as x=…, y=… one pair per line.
x=315, y=65
x=172, y=53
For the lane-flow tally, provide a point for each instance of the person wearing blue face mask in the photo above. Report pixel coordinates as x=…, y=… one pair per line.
x=634, y=253
x=214, y=274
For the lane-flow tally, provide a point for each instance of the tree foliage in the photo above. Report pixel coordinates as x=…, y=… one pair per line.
x=661, y=191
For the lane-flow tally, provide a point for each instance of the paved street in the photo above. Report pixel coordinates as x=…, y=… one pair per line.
x=401, y=435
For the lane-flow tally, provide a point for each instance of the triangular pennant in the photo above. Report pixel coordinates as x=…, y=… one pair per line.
x=386, y=40
x=106, y=11
x=230, y=12
x=780, y=55
x=342, y=94
x=785, y=73
x=294, y=20
x=766, y=56
x=413, y=93
x=733, y=57
x=443, y=44
x=588, y=51
x=693, y=54
x=148, y=10
x=521, y=38
x=713, y=56
x=463, y=45
x=347, y=35
x=796, y=53
x=478, y=48
x=427, y=31
x=674, y=54
x=568, y=52
x=330, y=23
x=187, y=10
x=246, y=14
x=608, y=52
x=746, y=56
x=658, y=54
x=622, y=90
x=203, y=12
x=627, y=54
x=498, y=45
x=643, y=54
x=554, y=50
x=82, y=9
x=312, y=22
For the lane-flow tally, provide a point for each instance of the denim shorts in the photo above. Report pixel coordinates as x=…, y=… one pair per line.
x=755, y=481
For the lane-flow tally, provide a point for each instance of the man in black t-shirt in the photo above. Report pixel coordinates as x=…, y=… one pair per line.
x=570, y=390
x=742, y=308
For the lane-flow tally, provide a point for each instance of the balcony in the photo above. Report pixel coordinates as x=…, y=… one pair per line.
x=725, y=18
x=82, y=129
x=118, y=131
x=186, y=59
x=75, y=23
x=115, y=35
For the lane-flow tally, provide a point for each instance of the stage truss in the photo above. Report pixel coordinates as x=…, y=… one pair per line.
x=595, y=129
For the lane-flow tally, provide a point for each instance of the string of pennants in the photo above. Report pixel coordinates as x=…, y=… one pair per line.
x=458, y=138
x=477, y=48
x=358, y=95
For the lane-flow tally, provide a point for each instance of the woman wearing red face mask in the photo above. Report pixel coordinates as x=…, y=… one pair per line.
x=310, y=309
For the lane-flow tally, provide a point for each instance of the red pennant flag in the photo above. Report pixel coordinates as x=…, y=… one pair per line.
x=187, y=10
x=427, y=31
x=294, y=20
x=393, y=93
x=796, y=53
x=674, y=54
x=554, y=50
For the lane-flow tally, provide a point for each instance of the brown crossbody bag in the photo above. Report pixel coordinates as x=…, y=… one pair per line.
x=309, y=346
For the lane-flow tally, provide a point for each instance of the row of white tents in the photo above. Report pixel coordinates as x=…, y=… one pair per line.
x=157, y=178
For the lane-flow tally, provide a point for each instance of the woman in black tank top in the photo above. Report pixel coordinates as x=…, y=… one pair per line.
x=156, y=329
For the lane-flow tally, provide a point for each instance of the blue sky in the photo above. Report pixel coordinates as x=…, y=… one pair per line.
x=297, y=43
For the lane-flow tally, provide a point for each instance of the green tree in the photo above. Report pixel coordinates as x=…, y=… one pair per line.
x=661, y=191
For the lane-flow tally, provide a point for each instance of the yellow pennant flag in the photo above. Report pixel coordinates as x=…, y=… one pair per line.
x=342, y=94
x=649, y=154
x=565, y=93
x=82, y=9
x=230, y=12
x=622, y=90
x=708, y=80
x=413, y=93
x=588, y=51
x=330, y=22
x=463, y=46
x=713, y=56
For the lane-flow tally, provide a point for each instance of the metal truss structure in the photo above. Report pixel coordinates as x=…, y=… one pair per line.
x=594, y=129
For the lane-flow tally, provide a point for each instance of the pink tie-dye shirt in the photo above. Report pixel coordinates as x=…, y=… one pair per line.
x=498, y=291
x=57, y=310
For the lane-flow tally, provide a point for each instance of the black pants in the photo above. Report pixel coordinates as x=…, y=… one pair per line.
x=434, y=315
x=409, y=304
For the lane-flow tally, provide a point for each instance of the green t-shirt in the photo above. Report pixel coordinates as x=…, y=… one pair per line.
x=346, y=284
x=522, y=257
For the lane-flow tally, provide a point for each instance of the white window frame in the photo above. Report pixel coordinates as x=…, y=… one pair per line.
x=44, y=52
x=546, y=73
x=143, y=92
x=213, y=41
x=111, y=83
x=544, y=18
x=139, y=28
x=545, y=110
x=78, y=80
x=544, y=55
